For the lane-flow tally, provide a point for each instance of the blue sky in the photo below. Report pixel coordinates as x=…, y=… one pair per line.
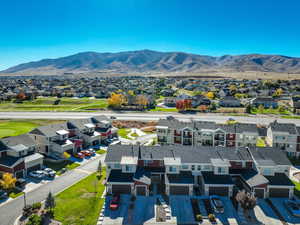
x=36, y=29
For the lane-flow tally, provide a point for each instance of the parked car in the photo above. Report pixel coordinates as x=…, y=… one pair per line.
x=115, y=202
x=217, y=204
x=3, y=194
x=49, y=172
x=293, y=207
x=79, y=155
x=37, y=174
x=86, y=153
x=113, y=117
x=92, y=151
x=21, y=183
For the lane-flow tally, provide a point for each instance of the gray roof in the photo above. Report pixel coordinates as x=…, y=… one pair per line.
x=276, y=155
x=49, y=130
x=23, y=139
x=284, y=127
x=79, y=123
x=253, y=178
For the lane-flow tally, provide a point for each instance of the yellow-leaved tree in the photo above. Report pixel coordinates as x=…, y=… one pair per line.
x=116, y=100
x=210, y=95
x=8, y=181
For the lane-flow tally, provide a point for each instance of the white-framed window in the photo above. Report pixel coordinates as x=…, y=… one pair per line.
x=199, y=167
x=172, y=169
x=221, y=170
x=117, y=166
x=193, y=167
x=268, y=171
x=185, y=167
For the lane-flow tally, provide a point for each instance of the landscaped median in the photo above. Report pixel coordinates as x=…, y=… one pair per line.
x=82, y=202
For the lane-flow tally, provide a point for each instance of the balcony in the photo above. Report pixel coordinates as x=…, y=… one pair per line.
x=62, y=146
x=177, y=133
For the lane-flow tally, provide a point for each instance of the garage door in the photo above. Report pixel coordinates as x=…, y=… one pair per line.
x=121, y=189
x=141, y=190
x=259, y=193
x=179, y=190
x=223, y=191
x=33, y=168
x=279, y=193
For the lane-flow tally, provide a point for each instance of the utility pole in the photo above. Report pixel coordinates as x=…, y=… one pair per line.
x=24, y=199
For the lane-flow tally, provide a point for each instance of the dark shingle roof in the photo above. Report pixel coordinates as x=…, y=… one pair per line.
x=211, y=178
x=118, y=176
x=279, y=179
x=184, y=177
x=276, y=155
x=79, y=123
x=253, y=178
x=9, y=161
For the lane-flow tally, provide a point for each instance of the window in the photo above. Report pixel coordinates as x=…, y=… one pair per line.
x=221, y=170
x=206, y=167
x=193, y=167
x=127, y=168
x=117, y=166
x=267, y=171
x=185, y=167
x=198, y=167
x=172, y=169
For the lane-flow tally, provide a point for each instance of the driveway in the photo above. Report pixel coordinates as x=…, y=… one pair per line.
x=279, y=204
x=181, y=208
x=265, y=214
x=9, y=211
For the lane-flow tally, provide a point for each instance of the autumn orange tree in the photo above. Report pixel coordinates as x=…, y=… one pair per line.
x=183, y=105
x=8, y=181
x=142, y=101
x=116, y=100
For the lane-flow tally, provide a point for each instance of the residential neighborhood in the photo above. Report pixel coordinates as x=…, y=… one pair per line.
x=195, y=162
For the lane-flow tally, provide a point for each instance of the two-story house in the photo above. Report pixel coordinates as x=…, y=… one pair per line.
x=18, y=155
x=180, y=170
x=284, y=136
x=53, y=140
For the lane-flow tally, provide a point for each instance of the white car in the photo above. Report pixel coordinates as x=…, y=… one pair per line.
x=37, y=174
x=49, y=172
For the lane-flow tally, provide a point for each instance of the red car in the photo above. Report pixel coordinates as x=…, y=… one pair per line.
x=86, y=153
x=115, y=202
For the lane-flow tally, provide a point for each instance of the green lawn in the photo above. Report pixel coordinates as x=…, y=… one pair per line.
x=123, y=132
x=160, y=109
x=47, y=104
x=81, y=203
x=17, y=127
x=15, y=193
x=290, y=117
x=101, y=151
x=297, y=188
x=260, y=143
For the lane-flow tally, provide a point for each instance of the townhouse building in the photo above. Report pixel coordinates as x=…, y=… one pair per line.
x=182, y=170
x=18, y=155
x=203, y=133
x=285, y=136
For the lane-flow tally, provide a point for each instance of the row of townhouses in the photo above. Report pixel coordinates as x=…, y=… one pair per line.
x=285, y=136
x=24, y=153
x=184, y=170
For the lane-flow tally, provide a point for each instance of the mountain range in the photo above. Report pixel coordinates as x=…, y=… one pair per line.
x=148, y=61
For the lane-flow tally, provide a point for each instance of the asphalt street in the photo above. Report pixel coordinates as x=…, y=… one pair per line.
x=148, y=116
x=11, y=210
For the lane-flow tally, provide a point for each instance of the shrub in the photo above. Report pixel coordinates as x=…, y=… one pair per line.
x=34, y=220
x=198, y=217
x=27, y=210
x=211, y=217
x=36, y=205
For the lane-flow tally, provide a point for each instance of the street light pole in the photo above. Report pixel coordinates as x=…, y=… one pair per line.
x=25, y=199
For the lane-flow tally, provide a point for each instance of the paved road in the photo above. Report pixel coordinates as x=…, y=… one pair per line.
x=11, y=210
x=148, y=116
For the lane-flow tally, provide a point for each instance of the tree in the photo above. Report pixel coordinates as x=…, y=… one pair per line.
x=21, y=96
x=246, y=200
x=210, y=95
x=202, y=108
x=100, y=167
x=116, y=100
x=281, y=109
x=183, y=105
x=142, y=101
x=278, y=92
x=8, y=181
x=261, y=109
x=50, y=201
x=248, y=108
